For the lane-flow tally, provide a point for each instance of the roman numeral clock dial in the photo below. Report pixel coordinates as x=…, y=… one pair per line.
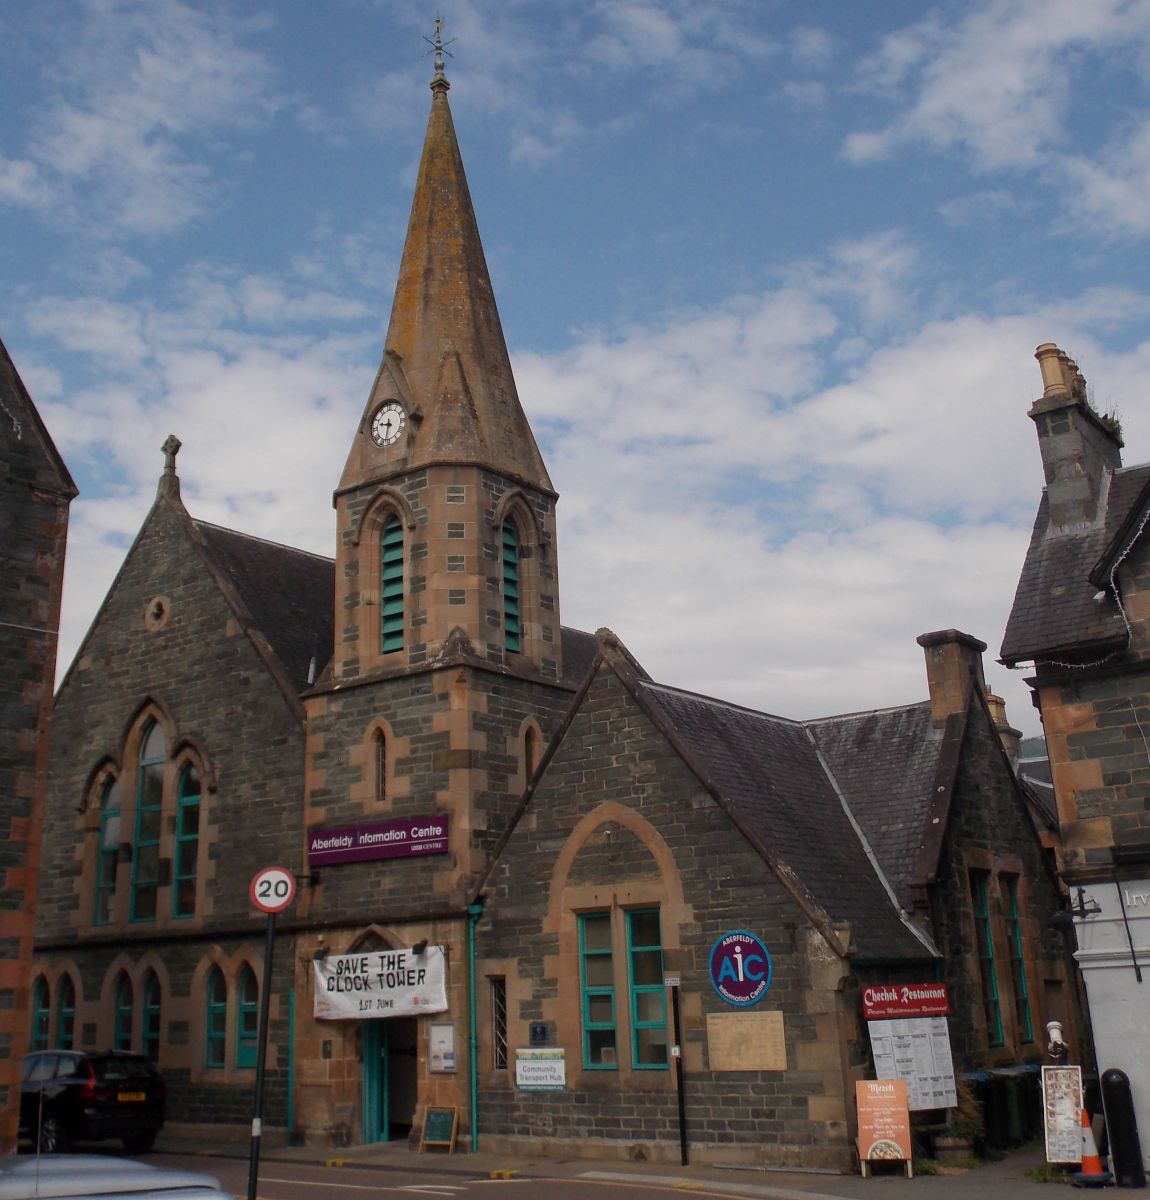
x=388, y=423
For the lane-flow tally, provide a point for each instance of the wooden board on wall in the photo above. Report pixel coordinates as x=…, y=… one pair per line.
x=746, y=1041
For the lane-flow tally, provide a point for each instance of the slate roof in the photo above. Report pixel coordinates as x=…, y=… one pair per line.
x=769, y=770
x=885, y=764
x=289, y=594
x=1054, y=610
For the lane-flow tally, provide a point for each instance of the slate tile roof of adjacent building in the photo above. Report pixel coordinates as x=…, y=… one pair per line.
x=1054, y=609
x=885, y=763
x=769, y=769
x=289, y=595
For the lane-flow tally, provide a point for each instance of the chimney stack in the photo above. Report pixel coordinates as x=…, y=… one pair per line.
x=1079, y=450
x=953, y=667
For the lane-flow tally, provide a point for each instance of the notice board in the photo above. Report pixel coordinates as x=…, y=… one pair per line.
x=440, y=1126
x=1062, y=1113
x=746, y=1041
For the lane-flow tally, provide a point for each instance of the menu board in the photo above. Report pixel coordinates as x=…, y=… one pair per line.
x=916, y=1050
x=884, y=1123
x=1062, y=1113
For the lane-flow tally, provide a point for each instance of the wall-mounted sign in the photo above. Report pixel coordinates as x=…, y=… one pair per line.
x=441, y=1047
x=382, y=983
x=404, y=838
x=902, y=1000
x=916, y=1051
x=540, y=1070
x=740, y=968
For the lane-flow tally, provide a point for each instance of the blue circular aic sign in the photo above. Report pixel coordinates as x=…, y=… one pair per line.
x=740, y=968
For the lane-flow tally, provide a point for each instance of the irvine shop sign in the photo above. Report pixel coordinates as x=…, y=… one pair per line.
x=408, y=837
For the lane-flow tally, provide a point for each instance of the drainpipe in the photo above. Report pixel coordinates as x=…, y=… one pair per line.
x=474, y=912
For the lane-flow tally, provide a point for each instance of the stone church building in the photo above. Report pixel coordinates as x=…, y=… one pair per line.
x=596, y=893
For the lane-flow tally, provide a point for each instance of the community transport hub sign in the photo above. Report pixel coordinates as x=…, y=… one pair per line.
x=382, y=983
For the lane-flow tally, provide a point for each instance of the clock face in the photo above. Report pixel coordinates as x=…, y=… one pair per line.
x=388, y=423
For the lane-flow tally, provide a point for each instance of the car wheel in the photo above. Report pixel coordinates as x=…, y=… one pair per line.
x=53, y=1139
x=140, y=1143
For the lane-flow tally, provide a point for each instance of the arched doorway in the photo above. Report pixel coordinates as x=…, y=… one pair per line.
x=390, y=1077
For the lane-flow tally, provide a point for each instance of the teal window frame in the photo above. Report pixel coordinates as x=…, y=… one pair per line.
x=391, y=594
x=216, y=1021
x=1017, y=960
x=152, y=1016
x=512, y=627
x=188, y=796
x=41, y=1015
x=107, y=854
x=247, y=1018
x=984, y=936
x=122, y=1030
x=648, y=996
x=149, y=822
x=65, y=1013
x=597, y=992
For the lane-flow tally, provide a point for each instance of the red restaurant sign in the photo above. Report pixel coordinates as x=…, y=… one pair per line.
x=898, y=1000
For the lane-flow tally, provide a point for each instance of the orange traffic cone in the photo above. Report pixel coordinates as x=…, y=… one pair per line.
x=1092, y=1174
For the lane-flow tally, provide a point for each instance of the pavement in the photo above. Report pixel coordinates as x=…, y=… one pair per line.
x=1004, y=1179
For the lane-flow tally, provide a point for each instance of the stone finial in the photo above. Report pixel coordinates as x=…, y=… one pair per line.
x=169, y=480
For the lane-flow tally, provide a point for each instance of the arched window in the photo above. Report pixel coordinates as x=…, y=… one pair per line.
x=216, y=1025
x=248, y=1019
x=41, y=1015
x=65, y=1013
x=187, y=842
x=511, y=628
x=149, y=812
x=153, y=1001
x=380, y=743
x=391, y=586
x=122, y=1032
x=107, y=853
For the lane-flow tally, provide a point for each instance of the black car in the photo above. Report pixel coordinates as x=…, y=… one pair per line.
x=68, y=1096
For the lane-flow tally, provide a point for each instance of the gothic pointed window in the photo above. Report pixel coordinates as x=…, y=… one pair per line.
x=107, y=853
x=122, y=1031
x=149, y=813
x=41, y=1015
x=380, y=745
x=391, y=586
x=65, y=1013
x=153, y=1003
x=216, y=1025
x=511, y=626
x=187, y=842
x=248, y=1019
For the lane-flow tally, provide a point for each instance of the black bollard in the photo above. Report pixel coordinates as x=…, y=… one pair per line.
x=1125, y=1149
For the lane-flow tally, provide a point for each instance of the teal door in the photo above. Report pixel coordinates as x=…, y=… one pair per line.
x=390, y=1078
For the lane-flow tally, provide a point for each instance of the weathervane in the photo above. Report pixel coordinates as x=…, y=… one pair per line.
x=439, y=46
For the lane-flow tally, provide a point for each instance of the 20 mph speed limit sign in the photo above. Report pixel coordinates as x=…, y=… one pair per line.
x=273, y=889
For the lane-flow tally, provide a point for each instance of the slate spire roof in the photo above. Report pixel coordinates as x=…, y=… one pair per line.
x=445, y=356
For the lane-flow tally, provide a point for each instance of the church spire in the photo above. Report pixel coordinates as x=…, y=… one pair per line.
x=445, y=359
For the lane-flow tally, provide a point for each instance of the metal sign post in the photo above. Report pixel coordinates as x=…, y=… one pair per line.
x=671, y=982
x=272, y=890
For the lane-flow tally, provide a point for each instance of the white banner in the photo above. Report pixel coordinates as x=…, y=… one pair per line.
x=383, y=983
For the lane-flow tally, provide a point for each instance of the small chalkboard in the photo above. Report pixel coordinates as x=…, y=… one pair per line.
x=440, y=1126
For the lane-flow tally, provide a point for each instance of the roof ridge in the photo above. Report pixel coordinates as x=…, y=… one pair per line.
x=756, y=712
x=253, y=537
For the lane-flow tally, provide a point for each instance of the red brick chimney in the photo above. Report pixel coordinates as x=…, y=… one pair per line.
x=1079, y=449
x=953, y=667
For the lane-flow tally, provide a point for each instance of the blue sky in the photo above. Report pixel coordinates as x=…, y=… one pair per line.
x=772, y=276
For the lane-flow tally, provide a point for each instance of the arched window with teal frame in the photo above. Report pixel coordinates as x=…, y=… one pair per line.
x=391, y=597
x=512, y=639
x=153, y=1006
x=122, y=1031
x=65, y=1013
x=187, y=842
x=216, y=1020
x=107, y=854
x=248, y=1018
x=41, y=1015
x=149, y=822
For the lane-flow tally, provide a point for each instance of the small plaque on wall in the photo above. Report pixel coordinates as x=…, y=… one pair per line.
x=441, y=1044
x=746, y=1041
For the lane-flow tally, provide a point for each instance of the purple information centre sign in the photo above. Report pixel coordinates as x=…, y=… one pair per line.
x=408, y=837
